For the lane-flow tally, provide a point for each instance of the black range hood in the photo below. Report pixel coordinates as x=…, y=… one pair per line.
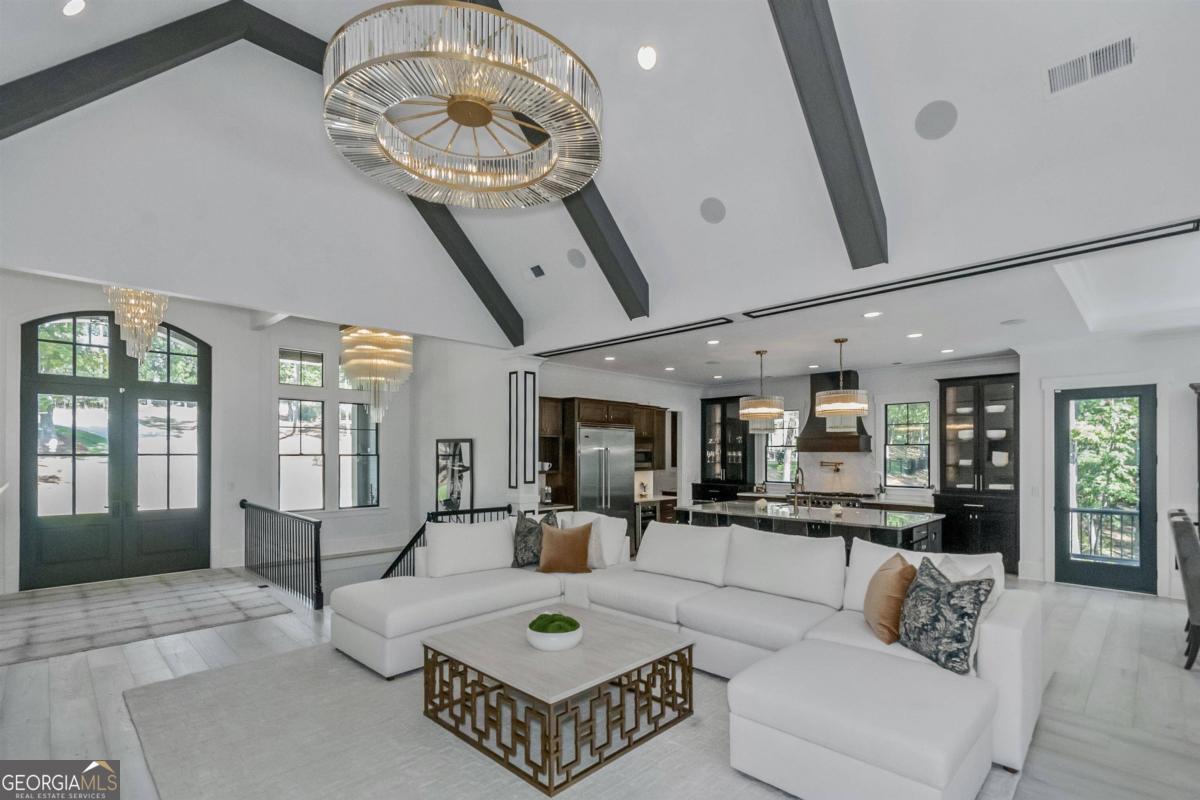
x=814, y=438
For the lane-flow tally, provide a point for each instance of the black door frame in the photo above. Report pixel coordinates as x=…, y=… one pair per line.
x=127, y=556
x=1144, y=577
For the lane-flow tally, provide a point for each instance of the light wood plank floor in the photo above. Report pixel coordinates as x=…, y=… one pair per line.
x=1121, y=718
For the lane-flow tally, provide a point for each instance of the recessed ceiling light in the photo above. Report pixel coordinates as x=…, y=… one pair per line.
x=814, y=366
x=936, y=120
x=948, y=350
x=73, y=7
x=712, y=210
x=716, y=377
x=669, y=369
x=873, y=314
x=610, y=358
x=915, y=335
x=1017, y=321
x=576, y=258
x=714, y=341
x=647, y=57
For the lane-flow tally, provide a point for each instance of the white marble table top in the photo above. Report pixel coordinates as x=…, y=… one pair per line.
x=611, y=646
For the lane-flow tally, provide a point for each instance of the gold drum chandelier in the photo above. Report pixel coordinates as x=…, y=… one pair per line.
x=842, y=402
x=138, y=314
x=763, y=409
x=376, y=361
x=456, y=103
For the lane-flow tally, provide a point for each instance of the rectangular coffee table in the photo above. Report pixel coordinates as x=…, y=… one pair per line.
x=553, y=718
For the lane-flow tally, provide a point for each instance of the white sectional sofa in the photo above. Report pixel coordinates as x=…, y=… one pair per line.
x=463, y=575
x=818, y=706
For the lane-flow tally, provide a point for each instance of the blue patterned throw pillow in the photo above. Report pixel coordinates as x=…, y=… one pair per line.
x=939, y=617
x=527, y=539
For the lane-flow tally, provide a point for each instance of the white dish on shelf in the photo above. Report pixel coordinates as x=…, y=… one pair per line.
x=995, y=409
x=965, y=486
x=996, y=435
x=966, y=435
x=964, y=409
x=964, y=462
x=1000, y=458
x=1004, y=486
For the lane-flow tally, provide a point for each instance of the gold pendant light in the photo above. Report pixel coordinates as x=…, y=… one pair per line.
x=762, y=410
x=376, y=361
x=458, y=103
x=842, y=402
x=138, y=314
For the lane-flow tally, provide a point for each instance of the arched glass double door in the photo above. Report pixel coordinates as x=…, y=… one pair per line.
x=115, y=454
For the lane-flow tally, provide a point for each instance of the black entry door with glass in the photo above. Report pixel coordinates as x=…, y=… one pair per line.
x=1105, y=467
x=114, y=454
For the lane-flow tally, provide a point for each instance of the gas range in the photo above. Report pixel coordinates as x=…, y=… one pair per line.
x=827, y=499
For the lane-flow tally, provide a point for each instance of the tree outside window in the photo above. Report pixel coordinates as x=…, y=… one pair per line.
x=906, y=452
x=780, y=452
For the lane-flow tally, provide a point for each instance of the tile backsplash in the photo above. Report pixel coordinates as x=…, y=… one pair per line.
x=857, y=473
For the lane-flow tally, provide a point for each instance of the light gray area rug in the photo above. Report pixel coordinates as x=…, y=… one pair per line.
x=315, y=724
x=69, y=619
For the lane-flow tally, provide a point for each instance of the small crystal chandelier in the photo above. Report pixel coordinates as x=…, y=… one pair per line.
x=458, y=103
x=842, y=402
x=761, y=411
x=376, y=361
x=138, y=314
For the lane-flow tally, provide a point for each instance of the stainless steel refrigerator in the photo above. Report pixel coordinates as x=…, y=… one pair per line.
x=604, y=471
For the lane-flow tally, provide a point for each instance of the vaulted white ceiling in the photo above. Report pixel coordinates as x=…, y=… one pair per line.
x=215, y=180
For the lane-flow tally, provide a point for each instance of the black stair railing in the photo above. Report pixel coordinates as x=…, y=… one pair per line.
x=405, y=563
x=285, y=549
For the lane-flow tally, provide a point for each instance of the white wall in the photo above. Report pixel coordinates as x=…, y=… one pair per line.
x=1170, y=362
x=244, y=394
x=902, y=384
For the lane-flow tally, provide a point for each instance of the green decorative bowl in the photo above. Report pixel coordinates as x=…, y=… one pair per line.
x=554, y=632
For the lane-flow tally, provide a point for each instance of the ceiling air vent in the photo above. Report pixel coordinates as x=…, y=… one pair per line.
x=1091, y=65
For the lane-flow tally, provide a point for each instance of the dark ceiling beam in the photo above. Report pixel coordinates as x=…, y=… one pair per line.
x=814, y=57
x=608, y=246
x=446, y=228
x=600, y=232
x=34, y=99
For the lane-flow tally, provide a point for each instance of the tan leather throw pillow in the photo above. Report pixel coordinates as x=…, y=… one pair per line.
x=565, y=549
x=885, y=597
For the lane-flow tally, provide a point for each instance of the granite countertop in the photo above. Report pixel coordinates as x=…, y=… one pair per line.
x=855, y=517
x=875, y=500
x=652, y=498
x=555, y=507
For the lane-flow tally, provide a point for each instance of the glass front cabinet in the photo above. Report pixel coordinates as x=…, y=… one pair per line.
x=977, y=441
x=726, y=443
x=979, y=434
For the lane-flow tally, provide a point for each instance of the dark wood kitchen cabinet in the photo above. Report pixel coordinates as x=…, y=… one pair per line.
x=978, y=443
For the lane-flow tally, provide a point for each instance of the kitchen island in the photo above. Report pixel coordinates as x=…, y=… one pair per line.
x=904, y=529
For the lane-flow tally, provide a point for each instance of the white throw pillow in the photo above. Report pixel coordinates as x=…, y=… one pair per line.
x=693, y=552
x=607, y=539
x=803, y=567
x=957, y=568
x=972, y=563
x=865, y=560
x=453, y=548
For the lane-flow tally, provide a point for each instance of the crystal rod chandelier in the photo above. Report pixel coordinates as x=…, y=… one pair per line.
x=376, y=361
x=842, y=402
x=761, y=410
x=138, y=314
x=457, y=103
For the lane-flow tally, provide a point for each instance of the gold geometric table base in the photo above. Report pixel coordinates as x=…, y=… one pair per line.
x=553, y=745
